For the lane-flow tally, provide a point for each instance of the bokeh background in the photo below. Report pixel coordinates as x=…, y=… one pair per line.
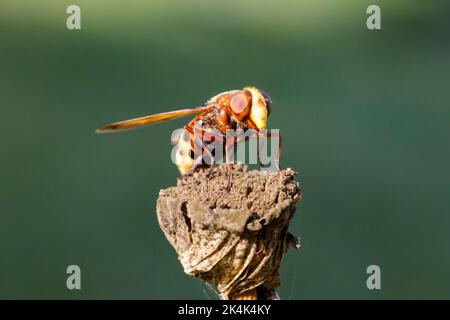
x=365, y=117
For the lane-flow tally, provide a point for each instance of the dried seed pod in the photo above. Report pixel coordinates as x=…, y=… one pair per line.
x=232, y=239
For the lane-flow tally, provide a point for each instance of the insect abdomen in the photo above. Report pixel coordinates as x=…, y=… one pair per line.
x=183, y=158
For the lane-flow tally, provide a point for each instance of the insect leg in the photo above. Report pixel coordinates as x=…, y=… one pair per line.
x=200, y=132
x=199, y=148
x=270, y=135
x=229, y=153
x=258, y=136
x=207, y=136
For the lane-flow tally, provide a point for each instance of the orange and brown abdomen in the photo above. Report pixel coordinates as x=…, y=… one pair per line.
x=201, y=126
x=183, y=156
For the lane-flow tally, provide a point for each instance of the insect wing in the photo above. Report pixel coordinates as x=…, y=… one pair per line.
x=147, y=120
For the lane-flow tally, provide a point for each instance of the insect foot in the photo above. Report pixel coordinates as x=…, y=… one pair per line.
x=234, y=240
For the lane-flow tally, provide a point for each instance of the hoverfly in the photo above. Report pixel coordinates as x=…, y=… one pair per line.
x=242, y=110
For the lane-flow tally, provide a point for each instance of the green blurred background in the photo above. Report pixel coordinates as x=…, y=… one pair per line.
x=364, y=114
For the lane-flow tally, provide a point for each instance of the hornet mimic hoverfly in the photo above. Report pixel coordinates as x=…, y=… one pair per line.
x=246, y=109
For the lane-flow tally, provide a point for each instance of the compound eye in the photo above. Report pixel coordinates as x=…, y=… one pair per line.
x=241, y=104
x=268, y=100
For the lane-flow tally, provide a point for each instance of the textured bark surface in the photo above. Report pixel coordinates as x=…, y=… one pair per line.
x=233, y=239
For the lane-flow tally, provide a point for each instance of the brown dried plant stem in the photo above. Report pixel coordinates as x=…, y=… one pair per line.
x=233, y=239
